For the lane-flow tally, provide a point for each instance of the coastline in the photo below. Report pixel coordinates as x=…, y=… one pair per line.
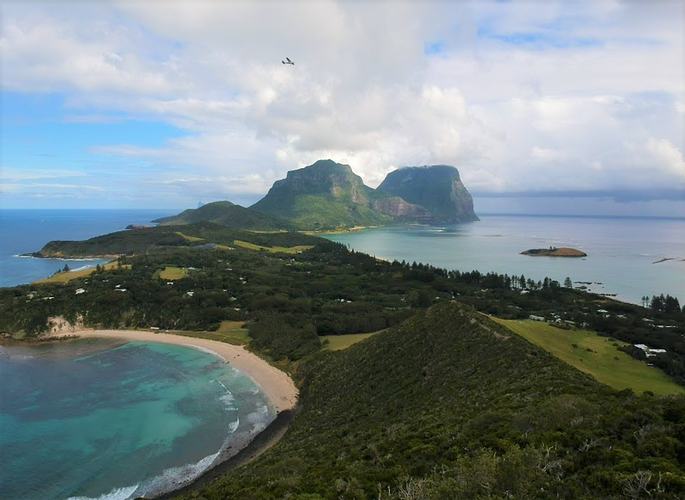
x=275, y=384
x=236, y=456
x=279, y=388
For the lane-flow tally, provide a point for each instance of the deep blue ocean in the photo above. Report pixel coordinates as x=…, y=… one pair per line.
x=25, y=231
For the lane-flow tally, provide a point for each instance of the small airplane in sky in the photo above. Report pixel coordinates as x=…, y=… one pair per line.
x=288, y=61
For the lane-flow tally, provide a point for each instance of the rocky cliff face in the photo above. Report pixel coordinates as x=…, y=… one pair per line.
x=436, y=188
x=397, y=207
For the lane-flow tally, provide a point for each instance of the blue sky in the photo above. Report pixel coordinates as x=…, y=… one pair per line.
x=548, y=107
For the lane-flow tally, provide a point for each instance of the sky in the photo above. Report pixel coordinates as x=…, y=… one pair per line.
x=558, y=107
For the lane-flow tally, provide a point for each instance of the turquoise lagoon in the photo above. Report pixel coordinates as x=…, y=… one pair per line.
x=102, y=419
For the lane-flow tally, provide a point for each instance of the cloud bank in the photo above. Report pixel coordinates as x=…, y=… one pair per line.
x=537, y=99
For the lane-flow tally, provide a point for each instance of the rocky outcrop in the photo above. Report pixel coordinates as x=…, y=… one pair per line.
x=397, y=207
x=554, y=252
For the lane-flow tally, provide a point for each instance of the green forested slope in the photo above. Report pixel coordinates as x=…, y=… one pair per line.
x=229, y=215
x=324, y=195
x=144, y=240
x=450, y=405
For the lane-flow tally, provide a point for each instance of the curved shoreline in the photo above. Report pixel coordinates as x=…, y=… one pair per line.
x=277, y=385
x=232, y=459
x=274, y=383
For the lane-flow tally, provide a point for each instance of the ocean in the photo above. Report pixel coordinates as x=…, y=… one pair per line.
x=26, y=231
x=625, y=254
x=98, y=419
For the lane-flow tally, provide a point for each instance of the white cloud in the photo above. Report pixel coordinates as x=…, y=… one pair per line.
x=667, y=156
x=679, y=107
x=544, y=155
x=521, y=96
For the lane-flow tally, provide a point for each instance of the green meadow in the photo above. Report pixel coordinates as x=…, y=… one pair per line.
x=230, y=332
x=66, y=277
x=252, y=246
x=595, y=355
x=171, y=273
x=339, y=342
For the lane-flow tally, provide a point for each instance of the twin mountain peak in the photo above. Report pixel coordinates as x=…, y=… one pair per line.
x=329, y=195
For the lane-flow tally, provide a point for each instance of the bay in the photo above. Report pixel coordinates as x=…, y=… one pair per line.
x=623, y=252
x=100, y=419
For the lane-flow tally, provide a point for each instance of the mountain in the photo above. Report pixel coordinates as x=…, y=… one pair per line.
x=325, y=195
x=329, y=195
x=450, y=405
x=229, y=215
x=436, y=188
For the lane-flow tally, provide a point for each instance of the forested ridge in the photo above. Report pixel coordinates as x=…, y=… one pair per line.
x=149, y=239
x=449, y=405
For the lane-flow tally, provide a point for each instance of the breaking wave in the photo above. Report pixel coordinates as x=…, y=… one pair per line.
x=115, y=494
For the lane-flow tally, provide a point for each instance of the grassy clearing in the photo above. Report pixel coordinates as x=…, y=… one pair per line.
x=339, y=342
x=63, y=277
x=230, y=332
x=596, y=356
x=189, y=238
x=171, y=273
x=291, y=250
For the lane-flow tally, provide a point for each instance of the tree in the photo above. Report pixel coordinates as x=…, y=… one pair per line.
x=658, y=303
x=568, y=283
x=66, y=268
x=671, y=305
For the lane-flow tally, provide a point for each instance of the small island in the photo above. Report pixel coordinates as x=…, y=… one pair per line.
x=554, y=252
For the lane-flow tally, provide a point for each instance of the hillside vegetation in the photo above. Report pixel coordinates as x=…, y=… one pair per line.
x=138, y=241
x=229, y=215
x=325, y=195
x=450, y=405
x=67, y=276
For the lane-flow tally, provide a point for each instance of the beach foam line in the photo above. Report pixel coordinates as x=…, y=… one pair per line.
x=209, y=351
x=275, y=384
x=124, y=493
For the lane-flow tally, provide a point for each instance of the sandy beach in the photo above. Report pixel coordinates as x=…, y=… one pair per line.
x=277, y=385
